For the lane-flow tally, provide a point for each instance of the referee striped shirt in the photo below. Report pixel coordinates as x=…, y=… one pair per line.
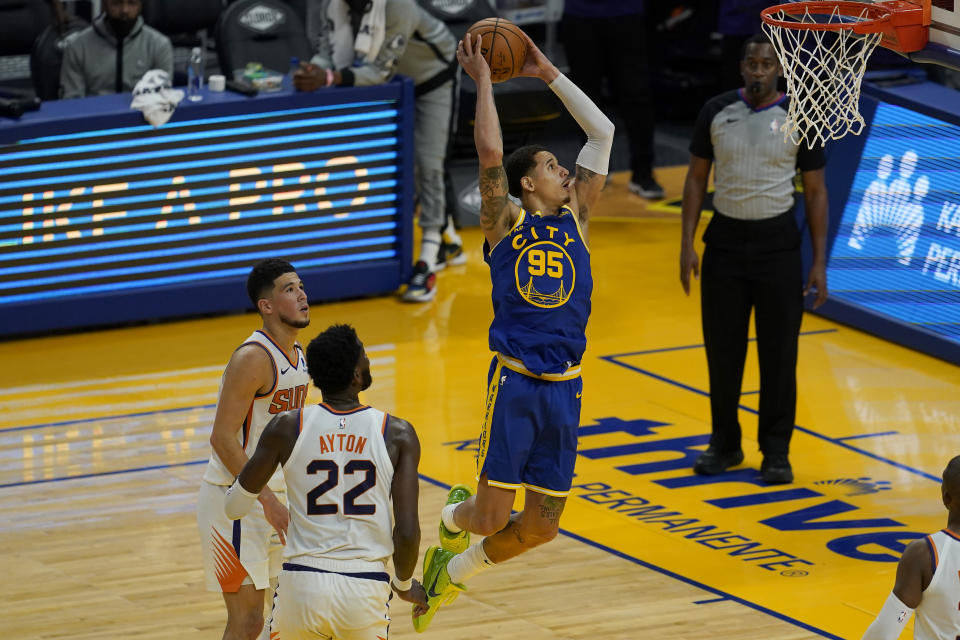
x=754, y=167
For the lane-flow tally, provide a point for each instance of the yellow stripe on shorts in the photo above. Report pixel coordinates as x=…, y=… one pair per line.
x=492, y=392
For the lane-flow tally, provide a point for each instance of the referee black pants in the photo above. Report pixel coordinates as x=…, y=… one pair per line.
x=752, y=265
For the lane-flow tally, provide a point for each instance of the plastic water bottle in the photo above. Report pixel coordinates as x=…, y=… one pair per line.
x=294, y=67
x=195, y=75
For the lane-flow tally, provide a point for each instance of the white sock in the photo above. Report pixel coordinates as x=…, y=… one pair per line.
x=450, y=234
x=429, y=247
x=269, y=592
x=447, y=517
x=464, y=566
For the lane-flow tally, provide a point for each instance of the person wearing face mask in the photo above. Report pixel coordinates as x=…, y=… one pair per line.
x=113, y=53
x=752, y=257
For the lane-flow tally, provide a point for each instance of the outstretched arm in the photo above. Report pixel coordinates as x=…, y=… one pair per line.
x=594, y=159
x=497, y=212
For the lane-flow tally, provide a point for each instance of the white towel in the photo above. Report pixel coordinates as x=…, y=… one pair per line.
x=154, y=96
x=366, y=46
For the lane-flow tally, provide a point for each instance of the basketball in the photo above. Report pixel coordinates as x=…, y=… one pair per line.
x=502, y=45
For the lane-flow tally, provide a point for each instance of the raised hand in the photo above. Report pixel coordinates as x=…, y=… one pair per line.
x=472, y=61
x=536, y=64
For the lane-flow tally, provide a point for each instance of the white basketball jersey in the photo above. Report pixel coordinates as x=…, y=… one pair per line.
x=938, y=616
x=339, y=479
x=290, y=384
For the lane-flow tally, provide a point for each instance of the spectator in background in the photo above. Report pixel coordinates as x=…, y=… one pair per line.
x=606, y=40
x=366, y=42
x=113, y=53
x=737, y=20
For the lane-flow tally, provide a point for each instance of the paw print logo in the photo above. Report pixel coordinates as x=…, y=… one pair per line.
x=895, y=205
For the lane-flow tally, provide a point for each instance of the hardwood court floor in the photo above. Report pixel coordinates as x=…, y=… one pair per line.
x=103, y=438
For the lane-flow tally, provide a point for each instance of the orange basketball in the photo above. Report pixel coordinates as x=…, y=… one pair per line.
x=502, y=45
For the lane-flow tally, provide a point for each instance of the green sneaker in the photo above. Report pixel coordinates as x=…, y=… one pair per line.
x=456, y=542
x=436, y=581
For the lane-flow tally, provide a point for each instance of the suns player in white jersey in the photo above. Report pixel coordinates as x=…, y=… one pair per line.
x=928, y=578
x=344, y=463
x=266, y=375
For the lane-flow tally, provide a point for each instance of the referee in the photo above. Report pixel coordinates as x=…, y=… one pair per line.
x=752, y=257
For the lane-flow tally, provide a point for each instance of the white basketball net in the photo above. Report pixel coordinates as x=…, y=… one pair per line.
x=823, y=70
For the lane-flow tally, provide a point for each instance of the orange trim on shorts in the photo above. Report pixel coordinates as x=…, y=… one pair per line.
x=230, y=573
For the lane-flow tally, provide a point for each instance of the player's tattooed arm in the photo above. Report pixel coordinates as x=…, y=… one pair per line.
x=493, y=193
x=589, y=183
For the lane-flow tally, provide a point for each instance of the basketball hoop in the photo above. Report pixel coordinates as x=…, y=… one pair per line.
x=823, y=47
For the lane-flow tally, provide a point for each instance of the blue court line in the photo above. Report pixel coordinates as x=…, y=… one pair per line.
x=700, y=346
x=102, y=473
x=721, y=595
x=837, y=441
x=749, y=393
x=868, y=435
x=711, y=600
x=96, y=418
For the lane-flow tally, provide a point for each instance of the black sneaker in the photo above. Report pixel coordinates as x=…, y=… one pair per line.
x=449, y=254
x=776, y=469
x=646, y=187
x=423, y=284
x=711, y=462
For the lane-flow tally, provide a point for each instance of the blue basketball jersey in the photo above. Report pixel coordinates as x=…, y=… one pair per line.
x=541, y=292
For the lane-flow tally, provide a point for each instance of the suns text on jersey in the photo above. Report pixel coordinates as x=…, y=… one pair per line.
x=287, y=399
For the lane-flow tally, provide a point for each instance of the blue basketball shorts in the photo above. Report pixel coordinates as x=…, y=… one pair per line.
x=529, y=436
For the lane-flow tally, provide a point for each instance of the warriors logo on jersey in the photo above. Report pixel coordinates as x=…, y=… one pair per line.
x=548, y=271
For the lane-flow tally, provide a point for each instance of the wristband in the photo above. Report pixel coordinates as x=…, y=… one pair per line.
x=329, y=78
x=402, y=585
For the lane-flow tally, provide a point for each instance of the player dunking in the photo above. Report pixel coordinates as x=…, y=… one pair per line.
x=540, y=268
x=343, y=463
x=266, y=375
x=928, y=578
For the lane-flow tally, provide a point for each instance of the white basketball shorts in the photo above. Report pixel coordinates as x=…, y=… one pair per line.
x=236, y=552
x=315, y=605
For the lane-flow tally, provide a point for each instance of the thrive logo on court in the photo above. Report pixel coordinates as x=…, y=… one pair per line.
x=639, y=472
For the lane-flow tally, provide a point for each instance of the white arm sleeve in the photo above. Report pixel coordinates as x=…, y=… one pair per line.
x=238, y=501
x=595, y=155
x=891, y=620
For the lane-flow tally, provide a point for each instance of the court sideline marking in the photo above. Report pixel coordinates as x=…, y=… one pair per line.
x=613, y=359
